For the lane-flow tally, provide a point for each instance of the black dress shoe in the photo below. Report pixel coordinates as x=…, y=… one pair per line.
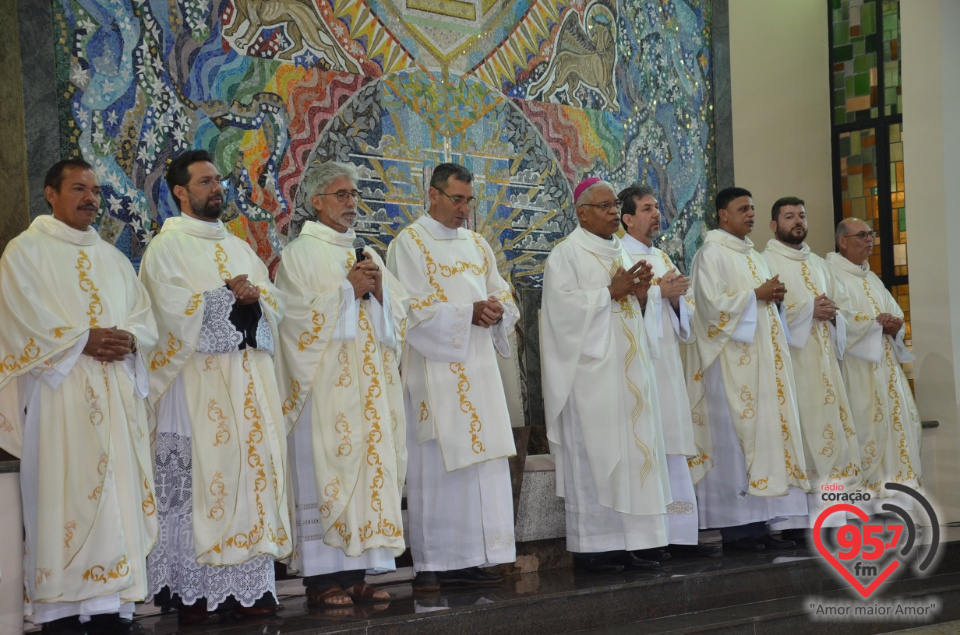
x=772, y=543
x=426, y=582
x=631, y=562
x=471, y=576
x=658, y=554
x=113, y=624
x=596, y=564
x=64, y=626
x=693, y=551
x=743, y=544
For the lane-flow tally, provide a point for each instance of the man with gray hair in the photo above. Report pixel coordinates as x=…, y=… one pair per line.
x=882, y=405
x=340, y=383
x=600, y=391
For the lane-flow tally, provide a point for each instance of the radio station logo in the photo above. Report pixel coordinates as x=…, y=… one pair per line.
x=866, y=551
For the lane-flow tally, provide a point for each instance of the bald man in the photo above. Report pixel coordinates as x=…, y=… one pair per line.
x=600, y=391
x=884, y=412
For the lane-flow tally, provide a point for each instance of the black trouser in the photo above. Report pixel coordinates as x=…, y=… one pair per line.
x=342, y=579
x=750, y=530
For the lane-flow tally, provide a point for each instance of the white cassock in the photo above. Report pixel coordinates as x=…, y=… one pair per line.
x=671, y=328
x=221, y=442
x=743, y=387
x=340, y=382
x=459, y=496
x=884, y=412
x=78, y=425
x=829, y=435
x=600, y=400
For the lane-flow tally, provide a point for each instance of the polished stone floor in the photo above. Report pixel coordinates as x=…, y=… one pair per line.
x=297, y=618
x=409, y=612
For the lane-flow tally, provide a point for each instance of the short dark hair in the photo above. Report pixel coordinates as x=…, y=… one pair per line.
x=54, y=177
x=783, y=202
x=443, y=172
x=728, y=194
x=629, y=197
x=178, y=172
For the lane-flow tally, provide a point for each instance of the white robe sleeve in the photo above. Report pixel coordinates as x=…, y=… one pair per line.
x=799, y=329
x=384, y=326
x=903, y=353
x=653, y=320
x=838, y=335
x=870, y=346
x=681, y=321
x=346, y=327
x=445, y=336
x=54, y=374
x=747, y=327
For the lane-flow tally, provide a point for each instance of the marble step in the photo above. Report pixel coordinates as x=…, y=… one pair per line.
x=790, y=615
x=750, y=593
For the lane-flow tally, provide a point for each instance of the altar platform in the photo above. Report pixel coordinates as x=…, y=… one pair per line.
x=735, y=593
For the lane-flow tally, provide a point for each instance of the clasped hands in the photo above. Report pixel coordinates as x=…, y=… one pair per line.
x=243, y=290
x=487, y=312
x=772, y=290
x=633, y=281
x=891, y=324
x=109, y=344
x=366, y=277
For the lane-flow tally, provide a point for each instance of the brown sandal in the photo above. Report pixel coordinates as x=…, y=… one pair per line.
x=320, y=599
x=366, y=593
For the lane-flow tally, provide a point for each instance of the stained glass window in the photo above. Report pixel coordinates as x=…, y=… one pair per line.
x=868, y=132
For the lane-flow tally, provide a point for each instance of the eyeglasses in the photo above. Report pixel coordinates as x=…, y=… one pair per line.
x=862, y=235
x=471, y=202
x=606, y=205
x=344, y=195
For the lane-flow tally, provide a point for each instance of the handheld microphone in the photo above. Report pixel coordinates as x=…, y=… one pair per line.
x=358, y=246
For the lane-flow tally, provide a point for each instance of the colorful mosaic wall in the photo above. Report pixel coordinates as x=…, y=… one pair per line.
x=529, y=94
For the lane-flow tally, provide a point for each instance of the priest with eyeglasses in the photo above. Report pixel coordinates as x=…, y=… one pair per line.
x=459, y=495
x=884, y=412
x=600, y=391
x=340, y=383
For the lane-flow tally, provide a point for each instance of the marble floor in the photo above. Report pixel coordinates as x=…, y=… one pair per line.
x=406, y=606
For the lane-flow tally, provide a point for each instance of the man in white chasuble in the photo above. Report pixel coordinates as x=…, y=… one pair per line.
x=742, y=382
x=884, y=412
x=75, y=322
x=221, y=442
x=340, y=381
x=669, y=309
x=600, y=392
x=459, y=496
x=816, y=330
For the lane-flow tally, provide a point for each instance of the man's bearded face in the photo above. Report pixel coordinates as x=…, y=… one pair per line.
x=204, y=192
x=645, y=222
x=792, y=225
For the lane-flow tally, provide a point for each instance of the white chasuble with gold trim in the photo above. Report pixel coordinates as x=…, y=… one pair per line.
x=746, y=337
x=238, y=435
x=351, y=371
x=87, y=472
x=596, y=359
x=829, y=434
x=672, y=328
x=449, y=366
x=884, y=412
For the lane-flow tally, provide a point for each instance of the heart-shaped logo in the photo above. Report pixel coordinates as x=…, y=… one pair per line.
x=864, y=571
